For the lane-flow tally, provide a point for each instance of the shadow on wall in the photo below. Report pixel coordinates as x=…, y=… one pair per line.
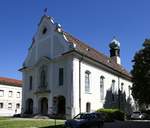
x=118, y=101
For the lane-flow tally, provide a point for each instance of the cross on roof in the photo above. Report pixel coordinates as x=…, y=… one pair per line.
x=45, y=11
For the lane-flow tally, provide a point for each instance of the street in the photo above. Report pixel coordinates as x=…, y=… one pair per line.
x=128, y=124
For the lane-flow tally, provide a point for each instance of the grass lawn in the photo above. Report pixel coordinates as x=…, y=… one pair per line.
x=30, y=123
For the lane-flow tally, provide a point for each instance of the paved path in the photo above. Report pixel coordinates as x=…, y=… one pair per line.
x=128, y=124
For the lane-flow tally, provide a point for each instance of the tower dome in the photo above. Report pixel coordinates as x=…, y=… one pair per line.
x=114, y=44
x=115, y=50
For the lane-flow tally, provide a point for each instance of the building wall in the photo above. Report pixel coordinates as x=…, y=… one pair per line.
x=9, y=110
x=93, y=96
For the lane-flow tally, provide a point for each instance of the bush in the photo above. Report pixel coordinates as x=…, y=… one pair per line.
x=119, y=115
x=146, y=111
x=112, y=114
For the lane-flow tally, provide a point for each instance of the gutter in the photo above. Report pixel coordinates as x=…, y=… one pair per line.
x=80, y=83
x=118, y=93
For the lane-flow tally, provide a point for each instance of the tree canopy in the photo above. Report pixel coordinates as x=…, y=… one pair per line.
x=141, y=75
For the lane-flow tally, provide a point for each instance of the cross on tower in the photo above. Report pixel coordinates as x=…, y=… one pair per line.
x=45, y=11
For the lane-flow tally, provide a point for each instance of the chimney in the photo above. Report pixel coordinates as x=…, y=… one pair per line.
x=115, y=51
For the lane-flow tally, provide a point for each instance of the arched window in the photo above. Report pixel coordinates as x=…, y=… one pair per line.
x=113, y=90
x=113, y=86
x=43, y=76
x=102, y=88
x=122, y=92
x=88, y=107
x=129, y=90
x=87, y=81
x=122, y=88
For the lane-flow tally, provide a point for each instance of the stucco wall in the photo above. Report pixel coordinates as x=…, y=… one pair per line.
x=93, y=96
x=53, y=83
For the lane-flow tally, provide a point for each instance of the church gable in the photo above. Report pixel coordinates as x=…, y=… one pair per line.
x=48, y=41
x=45, y=28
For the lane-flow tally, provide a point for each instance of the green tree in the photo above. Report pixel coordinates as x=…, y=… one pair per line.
x=141, y=75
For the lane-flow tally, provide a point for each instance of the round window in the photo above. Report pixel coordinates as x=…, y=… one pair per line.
x=44, y=30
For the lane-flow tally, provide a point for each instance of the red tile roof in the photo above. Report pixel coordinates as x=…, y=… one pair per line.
x=10, y=81
x=97, y=56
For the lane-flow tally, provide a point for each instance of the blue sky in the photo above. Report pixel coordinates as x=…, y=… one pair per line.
x=92, y=21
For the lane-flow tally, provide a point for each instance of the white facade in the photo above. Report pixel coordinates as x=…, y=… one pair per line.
x=10, y=100
x=94, y=97
x=54, y=77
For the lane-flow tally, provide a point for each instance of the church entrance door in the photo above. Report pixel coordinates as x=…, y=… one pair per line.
x=44, y=106
x=61, y=106
x=29, y=106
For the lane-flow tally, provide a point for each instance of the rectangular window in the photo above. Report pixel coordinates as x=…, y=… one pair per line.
x=9, y=105
x=1, y=105
x=87, y=82
x=30, y=83
x=61, y=76
x=1, y=93
x=10, y=93
x=18, y=95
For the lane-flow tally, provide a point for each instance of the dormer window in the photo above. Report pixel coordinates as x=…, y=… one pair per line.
x=44, y=30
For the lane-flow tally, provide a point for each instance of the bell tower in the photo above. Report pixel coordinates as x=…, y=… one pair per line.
x=115, y=51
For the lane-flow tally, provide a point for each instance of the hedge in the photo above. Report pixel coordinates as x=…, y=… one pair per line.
x=112, y=114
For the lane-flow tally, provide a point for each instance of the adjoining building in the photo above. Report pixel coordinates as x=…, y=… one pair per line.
x=10, y=96
x=64, y=76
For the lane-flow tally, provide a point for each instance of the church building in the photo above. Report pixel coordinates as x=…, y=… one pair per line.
x=64, y=76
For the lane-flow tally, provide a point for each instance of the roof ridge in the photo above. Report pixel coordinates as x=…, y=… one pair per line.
x=88, y=45
x=97, y=55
